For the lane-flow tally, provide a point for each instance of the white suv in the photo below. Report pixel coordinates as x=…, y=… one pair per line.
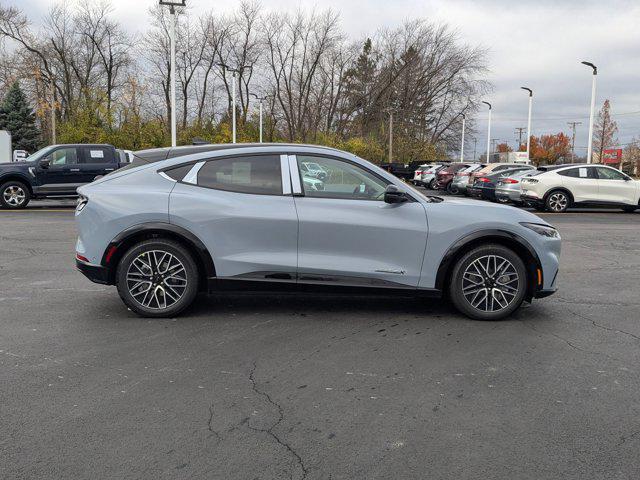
x=558, y=187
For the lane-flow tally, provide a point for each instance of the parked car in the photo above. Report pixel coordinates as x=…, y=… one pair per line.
x=428, y=175
x=313, y=170
x=417, y=175
x=491, y=168
x=559, y=187
x=238, y=217
x=20, y=155
x=444, y=177
x=55, y=171
x=461, y=178
x=402, y=170
x=484, y=187
x=508, y=188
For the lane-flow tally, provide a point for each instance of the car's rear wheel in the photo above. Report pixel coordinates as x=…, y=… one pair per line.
x=157, y=278
x=452, y=189
x=14, y=195
x=558, y=201
x=488, y=283
x=432, y=184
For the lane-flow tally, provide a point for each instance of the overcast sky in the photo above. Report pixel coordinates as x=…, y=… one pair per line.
x=538, y=44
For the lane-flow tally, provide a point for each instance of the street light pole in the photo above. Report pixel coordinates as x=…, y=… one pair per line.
x=233, y=103
x=529, y=121
x=488, y=132
x=260, y=99
x=573, y=139
x=593, y=107
x=172, y=69
x=464, y=118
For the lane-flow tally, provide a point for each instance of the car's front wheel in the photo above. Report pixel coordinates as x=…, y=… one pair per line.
x=157, y=278
x=488, y=283
x=432, y=184
x=629, y=209
x=558, y=201
x=452, y=189
x=14, y=195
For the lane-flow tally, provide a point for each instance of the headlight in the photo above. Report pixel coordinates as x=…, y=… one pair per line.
x=544, y=230
x=82, y=202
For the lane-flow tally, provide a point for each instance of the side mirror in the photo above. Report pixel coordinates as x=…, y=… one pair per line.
x=44, y=163
x=392, y=194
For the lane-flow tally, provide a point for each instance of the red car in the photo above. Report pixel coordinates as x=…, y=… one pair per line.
x=445, y=176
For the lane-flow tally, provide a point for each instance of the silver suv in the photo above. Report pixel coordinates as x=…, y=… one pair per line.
x=243, y=217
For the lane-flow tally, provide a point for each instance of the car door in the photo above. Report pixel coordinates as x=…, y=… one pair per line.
x=242, y=209
x=95, y=161
x=582, y=182
x=615, y=186
x=60, y=177
x=348, y=235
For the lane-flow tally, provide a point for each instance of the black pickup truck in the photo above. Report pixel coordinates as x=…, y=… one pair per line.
x=55, y=171
x=401, y=170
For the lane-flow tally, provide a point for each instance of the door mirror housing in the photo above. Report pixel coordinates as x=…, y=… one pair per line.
x=44, y=163
x=393, y=194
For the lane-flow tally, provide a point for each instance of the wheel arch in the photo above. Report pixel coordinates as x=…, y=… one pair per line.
x=559, y=189
x=137, y=233
x=515, y=242
x=17, y=177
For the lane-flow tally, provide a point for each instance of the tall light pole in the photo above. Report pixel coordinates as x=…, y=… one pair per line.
x=529, y=120
x=234, y=71
x=593, y=107
x=464, y=119
x=390, y=112
x=488, y=132
x=172, y=69
x=260, y=99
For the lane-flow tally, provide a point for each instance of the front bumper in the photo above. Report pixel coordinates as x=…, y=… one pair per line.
x=95, y=273
x=508, y=194
x=545, y=292
x=532, y=200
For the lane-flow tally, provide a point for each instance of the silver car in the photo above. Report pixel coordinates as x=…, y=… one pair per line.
x=508, y=189
x=461, y=179
x=179, y=221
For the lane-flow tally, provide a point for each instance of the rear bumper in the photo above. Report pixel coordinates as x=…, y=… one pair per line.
x=532, y=200
x=512, y=195
x=95, y=273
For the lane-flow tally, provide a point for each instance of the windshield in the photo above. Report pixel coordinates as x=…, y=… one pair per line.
x=39, y=154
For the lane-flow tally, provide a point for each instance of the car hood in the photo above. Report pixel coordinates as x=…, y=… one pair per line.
x=478, y=210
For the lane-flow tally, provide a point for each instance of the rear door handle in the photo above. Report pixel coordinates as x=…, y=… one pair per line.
x=74, y=169
x=109, y=169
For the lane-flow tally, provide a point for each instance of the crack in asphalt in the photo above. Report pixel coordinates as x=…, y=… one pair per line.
x=269, y=431
x=603, y=327
x=210, y=424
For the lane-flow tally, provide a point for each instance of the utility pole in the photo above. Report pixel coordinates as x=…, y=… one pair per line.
x=573, y=139
x=234, y=71
x=493, y=144
x=475, y=144
x=519, y=131
x=260, y=99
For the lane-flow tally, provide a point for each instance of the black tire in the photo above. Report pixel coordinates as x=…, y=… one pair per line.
x=557, y=201
x=511, y=292
x=167, y=287
x=629, y=209
x=452, y=189
x=539, y=208
x=432, y=184
x=14, y=195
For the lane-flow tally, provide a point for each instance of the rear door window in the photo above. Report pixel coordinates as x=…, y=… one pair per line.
x=257, y=174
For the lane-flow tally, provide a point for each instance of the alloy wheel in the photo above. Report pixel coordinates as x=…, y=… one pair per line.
x=14, y=195
x=156, y=279
x=558, y=202
x=490, y=283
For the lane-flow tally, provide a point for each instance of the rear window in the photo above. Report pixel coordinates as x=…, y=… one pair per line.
x=257, y=174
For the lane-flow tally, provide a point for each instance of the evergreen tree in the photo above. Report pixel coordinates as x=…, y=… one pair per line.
x=18, y=118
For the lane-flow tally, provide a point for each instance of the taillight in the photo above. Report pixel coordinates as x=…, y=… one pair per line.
x=82, y=258
x=82, y=202
x=509, y=180
x=483, y=180
x=419, y=172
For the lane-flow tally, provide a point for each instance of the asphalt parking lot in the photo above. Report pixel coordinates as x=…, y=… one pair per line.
x=314, y=387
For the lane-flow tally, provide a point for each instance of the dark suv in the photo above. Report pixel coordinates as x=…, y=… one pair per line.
x=55, y=171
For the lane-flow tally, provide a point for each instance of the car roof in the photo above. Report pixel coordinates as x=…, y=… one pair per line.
x=156, y=154
x=547, y=168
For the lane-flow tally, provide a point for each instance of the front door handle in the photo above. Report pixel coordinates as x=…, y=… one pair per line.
x=74, y=169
